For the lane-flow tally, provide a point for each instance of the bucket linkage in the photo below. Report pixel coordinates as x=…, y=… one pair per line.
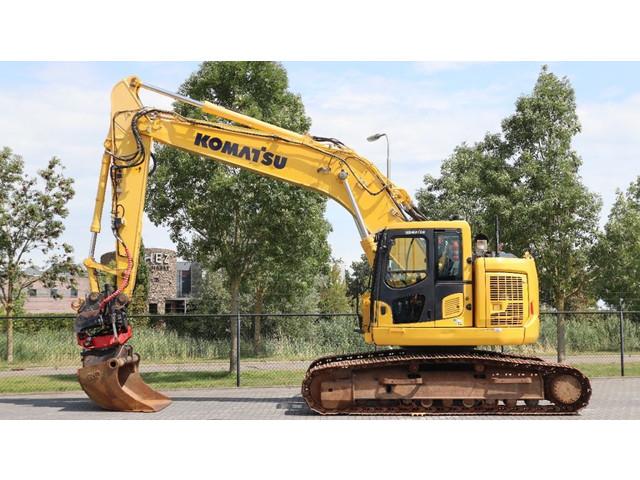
x=110, y=374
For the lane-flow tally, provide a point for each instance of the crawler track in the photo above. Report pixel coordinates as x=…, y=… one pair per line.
x=546, y=374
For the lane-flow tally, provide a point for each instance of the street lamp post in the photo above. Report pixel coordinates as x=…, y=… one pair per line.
x=378, y=136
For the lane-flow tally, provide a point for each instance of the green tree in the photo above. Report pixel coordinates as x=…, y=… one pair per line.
x=229, y=219
x=357, y=278
x=475, y=184
x=333, y=291
x=280, y=284
x=528, y=176
x=553, y=210
x=140, y=297
x=617, y=254
x=31, y=213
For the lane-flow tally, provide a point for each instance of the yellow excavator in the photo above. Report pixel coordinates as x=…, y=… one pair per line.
x=437, y=295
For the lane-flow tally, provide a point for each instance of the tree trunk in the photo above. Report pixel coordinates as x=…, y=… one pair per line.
x=235, y=302
x=257, y=322
x=560, y=330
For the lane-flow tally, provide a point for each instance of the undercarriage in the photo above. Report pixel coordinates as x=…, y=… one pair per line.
x=445, y=382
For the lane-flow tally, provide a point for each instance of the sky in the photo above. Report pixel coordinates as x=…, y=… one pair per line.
x=426, y=108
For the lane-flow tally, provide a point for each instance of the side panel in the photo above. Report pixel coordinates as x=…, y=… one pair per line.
x=453, y=337
x=506, y=295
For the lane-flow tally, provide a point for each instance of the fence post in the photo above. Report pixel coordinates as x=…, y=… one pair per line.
x=560, y=337
x=238, y=349
x=621, y=340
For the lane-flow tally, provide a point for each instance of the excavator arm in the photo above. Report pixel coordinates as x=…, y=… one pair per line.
x=321, y=164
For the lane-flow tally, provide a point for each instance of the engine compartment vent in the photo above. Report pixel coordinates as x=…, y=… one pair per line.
x=452, y=306
x=506, y=299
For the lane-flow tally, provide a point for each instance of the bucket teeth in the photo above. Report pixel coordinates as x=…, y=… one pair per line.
x=116, y=384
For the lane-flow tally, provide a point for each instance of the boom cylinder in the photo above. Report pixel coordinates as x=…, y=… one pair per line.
x=227, y=114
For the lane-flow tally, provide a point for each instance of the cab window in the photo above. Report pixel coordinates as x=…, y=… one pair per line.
x=407, y=263
x=448, y=256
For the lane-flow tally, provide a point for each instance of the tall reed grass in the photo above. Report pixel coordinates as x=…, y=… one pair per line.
x=55, y=347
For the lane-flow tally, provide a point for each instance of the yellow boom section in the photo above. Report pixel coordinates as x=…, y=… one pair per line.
x=324, y=165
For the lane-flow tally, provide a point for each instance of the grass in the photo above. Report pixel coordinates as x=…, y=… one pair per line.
x=158, y=380
x=57, y=347
x=608, y=369
x=200, y=379
x=293, y=339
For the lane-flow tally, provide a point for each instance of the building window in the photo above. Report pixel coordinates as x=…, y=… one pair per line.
x=185, y=283
x=33, y=292
x=53, y=293
x=73, y=292
x=153, y=308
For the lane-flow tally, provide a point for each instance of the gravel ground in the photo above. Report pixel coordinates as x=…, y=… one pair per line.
x=613, y=399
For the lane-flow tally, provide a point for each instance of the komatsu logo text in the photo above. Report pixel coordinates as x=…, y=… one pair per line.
x=261, y=155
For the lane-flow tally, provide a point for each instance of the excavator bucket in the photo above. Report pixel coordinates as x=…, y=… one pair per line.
x=116, y=384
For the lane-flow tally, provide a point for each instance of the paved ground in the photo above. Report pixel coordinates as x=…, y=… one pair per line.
x=613, y=398
x=249, y=365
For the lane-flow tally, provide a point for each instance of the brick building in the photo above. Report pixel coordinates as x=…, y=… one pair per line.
x=41, y=299
x=171, y=283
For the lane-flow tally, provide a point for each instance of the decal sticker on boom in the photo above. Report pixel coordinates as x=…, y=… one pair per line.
x=262, y=155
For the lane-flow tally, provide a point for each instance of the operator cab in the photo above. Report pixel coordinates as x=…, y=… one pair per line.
x=415, y=270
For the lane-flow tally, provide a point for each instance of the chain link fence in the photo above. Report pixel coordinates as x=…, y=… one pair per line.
x=600, y=343
x=196, y=351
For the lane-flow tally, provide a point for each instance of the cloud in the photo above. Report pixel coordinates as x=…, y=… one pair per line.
x=65, y=112
x=426, y=121
x=609, y=145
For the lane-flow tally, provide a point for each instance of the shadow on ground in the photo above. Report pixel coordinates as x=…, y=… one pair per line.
x=63, y=404
x=291, y=405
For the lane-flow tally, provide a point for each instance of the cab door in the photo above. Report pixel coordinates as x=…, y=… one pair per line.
x=403, y=276
x=449, y=301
